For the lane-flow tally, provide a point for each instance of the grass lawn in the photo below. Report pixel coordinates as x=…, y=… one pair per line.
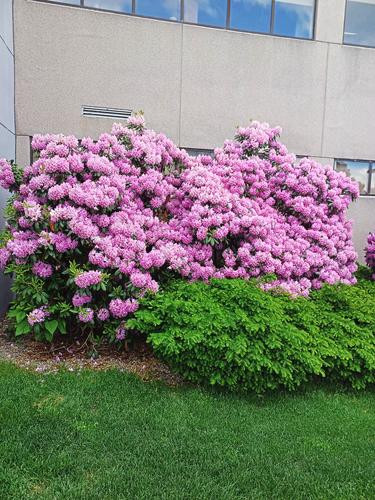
x=107, y=435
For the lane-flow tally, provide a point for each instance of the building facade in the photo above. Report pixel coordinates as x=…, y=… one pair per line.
x=7, y=125
x=198, y=68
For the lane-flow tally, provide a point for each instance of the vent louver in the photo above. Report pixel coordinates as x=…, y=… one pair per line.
x=99, y=112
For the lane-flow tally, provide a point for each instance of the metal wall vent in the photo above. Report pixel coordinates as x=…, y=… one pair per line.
x=99, y=112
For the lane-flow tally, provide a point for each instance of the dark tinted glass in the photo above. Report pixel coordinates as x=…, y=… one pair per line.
x=209, y=12
x=294, y=18
x=251, y=15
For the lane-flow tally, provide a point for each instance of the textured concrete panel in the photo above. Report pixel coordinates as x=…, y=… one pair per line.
x=362, y=212
x=68, y=57
x=23, y=153
x=330, y=17
x=229, y=78
x=6, y=87
x=6, y=26
x=350, y=103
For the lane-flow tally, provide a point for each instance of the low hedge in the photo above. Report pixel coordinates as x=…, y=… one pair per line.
x=231, y=333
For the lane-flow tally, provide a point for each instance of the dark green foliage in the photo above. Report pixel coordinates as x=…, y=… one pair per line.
x=231, y=333
x=31, y=292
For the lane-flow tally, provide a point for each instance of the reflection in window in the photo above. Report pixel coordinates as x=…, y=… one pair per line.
x=251, y=15
x=360, y=22
x=197, y=152
x=362, y=172
x=208, y=12
x=162, y=9
x=116, y=5
x=294, y=18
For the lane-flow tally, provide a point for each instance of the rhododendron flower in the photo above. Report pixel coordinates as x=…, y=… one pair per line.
x=88, y=278
x=86, y=315
x=6, y=174
x=80, y=300
x=370, y=253
x=4, y=257
x=61, y=242
x=103, y=314
x=136, y=121
x=121, y=334
x=32, y=210
x=121, y=308
x=42, y=269
x=37, y=315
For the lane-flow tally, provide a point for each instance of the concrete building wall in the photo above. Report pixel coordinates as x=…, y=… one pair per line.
x=196, y=83
x=7, y=127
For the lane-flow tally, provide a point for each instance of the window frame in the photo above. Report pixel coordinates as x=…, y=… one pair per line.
x=371, y=172
x=227, y=27
x=352, y=44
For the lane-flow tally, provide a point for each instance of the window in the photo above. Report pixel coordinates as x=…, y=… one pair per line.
x=248, y=15
x=290, y=18
x=163, y=9
x=197, y=152
x=294, y=18
x=116, y=5
x=208, y=12
x=361, y=171
x=72, y=2
x=360, y=22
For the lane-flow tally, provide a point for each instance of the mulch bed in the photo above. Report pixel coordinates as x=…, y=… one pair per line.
x=76, y=354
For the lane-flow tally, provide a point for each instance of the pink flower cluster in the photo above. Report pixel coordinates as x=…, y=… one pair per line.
x=79, y=300
x=134, y=206
x=88, y=278
x=38, y=315
x=370, y=253
x=42, y=269
x=121, y=334
x=122, y=308
x=7, y=179
x=86, y=315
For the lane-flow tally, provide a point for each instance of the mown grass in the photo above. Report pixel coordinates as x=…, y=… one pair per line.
x=108, y=435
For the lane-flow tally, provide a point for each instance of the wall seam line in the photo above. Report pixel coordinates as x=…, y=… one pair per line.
x=14, y=81
x=180, y=89
x=324, y=106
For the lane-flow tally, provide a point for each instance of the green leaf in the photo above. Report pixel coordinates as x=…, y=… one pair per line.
x=20, y=316
x=62, y=326
x=22, y=328
x=51, y=326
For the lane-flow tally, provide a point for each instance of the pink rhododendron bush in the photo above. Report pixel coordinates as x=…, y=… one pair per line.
x=93, y=226
x=370, y=253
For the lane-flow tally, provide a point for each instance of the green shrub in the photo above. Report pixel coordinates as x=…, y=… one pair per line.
x=231, y=333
